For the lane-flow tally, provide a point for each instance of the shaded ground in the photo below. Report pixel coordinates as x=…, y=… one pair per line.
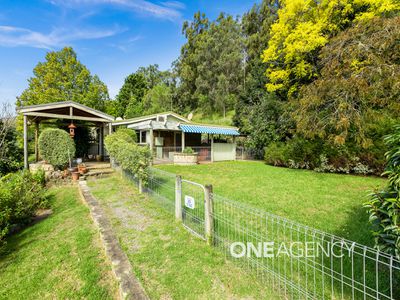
x=329, y=202
x=169, y=261
x=59, y=257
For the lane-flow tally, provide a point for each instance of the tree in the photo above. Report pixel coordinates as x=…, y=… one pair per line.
x=130, y=97
x=10, y=153
x=154, y=76
x=303, y=28
x=219, y=59
x=63, y=77
x=356, y=99
x=158, y=99
x=249, y=110
x=187, y=64
x=210, y=67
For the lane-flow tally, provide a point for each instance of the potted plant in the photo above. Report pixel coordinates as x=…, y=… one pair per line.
x=75, y=176
x=82, y=169
x=186, y=157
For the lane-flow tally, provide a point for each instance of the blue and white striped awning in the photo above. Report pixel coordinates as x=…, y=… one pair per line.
x=208, y=129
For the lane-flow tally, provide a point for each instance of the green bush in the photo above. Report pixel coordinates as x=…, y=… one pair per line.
x=188, y=150
x=21, y=194
x=276, y=154
x=127, y=134
x=384, y=206
x=56, y=147
x=130, y=156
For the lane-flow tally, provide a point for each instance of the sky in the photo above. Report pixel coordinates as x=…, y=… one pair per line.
x=113, y=38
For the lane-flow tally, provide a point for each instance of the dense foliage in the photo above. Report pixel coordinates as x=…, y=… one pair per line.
x=21, y=195
x=384, y=206
x=355, y=103
x=63, y=77
x=210, y=67
x=10, y=153
x=146, y=91
x=303, y=28
x=122, y=147
x=56, y=147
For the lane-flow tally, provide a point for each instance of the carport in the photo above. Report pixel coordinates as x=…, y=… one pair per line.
x=68, y=112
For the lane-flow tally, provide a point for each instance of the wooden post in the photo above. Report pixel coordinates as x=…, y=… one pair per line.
x=26, y=165
x=101, y=140
x=178, y=197
x=151, y=143
x=140, y=186
x=212, y=147
x=183, y=141
x=37, y=141
x=109, y=128
x=209, y=220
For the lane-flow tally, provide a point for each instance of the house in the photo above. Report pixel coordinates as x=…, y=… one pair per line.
x=168, y=132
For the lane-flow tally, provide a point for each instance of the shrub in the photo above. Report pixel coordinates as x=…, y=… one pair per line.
x=128, y=154
x=276, y=154
x=127, y=134
x=10, y=153
x=384, y=206
x=21, y=194
x=56, y=147
x=188, y=150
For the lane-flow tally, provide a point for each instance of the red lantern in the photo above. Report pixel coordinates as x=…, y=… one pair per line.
x=71, y=130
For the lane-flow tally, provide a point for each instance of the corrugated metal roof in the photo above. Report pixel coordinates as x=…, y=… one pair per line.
x=208, y=129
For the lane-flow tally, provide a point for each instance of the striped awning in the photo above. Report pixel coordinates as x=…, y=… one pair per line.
x=208, y=129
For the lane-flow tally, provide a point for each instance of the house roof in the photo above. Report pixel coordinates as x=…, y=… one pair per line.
x=147, y=122
x=149, y=117
x=65, y=110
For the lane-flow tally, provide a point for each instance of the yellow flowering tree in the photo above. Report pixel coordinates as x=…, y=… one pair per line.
x=303, y=28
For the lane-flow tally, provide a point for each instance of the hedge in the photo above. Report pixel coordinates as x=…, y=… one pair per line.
x=121, y=146
x=56, y=147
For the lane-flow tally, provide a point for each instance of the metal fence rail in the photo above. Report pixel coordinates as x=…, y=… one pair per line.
x=298, y=261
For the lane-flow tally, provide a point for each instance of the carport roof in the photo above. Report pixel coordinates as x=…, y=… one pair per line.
x=64, y=110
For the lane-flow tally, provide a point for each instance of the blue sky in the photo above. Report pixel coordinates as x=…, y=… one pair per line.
x=112, y=37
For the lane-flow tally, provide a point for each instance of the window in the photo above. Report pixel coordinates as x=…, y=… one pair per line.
x=161, y=118
x=142, y=137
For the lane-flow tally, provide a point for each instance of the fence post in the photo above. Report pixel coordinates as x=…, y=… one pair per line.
x=209, y=219
x=140, y=186
x=178, y=197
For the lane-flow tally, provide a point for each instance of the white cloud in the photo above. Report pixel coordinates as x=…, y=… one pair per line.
x=174, y=4
x=16, y=36
x=166, y=10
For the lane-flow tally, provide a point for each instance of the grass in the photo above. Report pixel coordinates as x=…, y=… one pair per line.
x=59, y=257
x=169, y=261
x=329, y=202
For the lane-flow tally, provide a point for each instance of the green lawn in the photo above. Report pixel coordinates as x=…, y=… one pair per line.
x=58, y=258
x=330, y=202
x=169, y=261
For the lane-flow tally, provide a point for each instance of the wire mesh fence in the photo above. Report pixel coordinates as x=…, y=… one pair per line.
x=298, y=261
x=243, y=153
